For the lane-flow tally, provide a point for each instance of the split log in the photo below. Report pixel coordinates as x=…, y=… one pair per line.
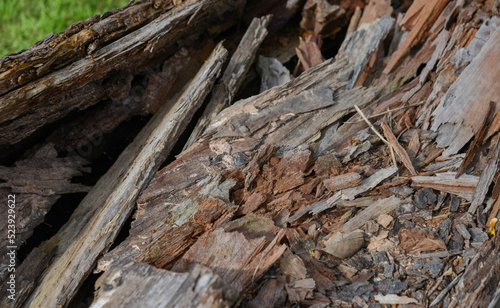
x=99, y=217
x=233, y=76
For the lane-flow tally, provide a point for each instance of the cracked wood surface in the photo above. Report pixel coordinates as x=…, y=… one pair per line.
x=96, y=222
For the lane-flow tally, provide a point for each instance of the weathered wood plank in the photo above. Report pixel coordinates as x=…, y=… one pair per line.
x=98, y=219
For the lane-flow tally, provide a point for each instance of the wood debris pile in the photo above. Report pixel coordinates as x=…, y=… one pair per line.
x=368, y=179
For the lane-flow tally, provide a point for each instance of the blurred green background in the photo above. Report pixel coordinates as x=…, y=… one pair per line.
x=25, y=22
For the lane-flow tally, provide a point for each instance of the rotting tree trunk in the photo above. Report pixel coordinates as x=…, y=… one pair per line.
x=81, y=83
x=96, y=222
x=263, y=170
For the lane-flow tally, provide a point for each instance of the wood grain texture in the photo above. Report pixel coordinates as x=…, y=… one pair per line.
x=81, y=83
x=99, y=217
x=460, y=111
x=142, y=285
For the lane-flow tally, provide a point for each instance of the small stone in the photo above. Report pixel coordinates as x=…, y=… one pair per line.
x=385, y=220
x=434, y=267
x=405, y=208
x=478, y=235
x=388, y=270
x=424, y=197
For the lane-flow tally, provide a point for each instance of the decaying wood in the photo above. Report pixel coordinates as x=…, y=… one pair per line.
x=486, y=178
x=286, y=163
x=239, y=253
x=479, y=282
x=317, y=207
x=374, y=10
x=354, y=22
x=458, y=116
x=200, y=203
x=321, y=16
x=361, y=44
x=135, y=284
x=309, y=54
x=343, y=181
x=104, y=210
x=369, y=183
x=233, y=76
x=382, y=206
x=79, y=85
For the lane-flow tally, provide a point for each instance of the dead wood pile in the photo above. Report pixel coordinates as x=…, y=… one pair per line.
x=336, y=154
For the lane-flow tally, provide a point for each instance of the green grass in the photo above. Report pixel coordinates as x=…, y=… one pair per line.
x=25, y=22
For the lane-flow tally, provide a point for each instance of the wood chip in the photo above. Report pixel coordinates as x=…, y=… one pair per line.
x=344, y=245
x=463, y=186
x=414, y=145
x=369, y=183
x=476, y=142
x=343, y=181
x=486, y=178
x=393, y=299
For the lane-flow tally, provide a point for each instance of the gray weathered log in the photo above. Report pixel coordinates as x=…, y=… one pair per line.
x=192, y=204
x=99, y=217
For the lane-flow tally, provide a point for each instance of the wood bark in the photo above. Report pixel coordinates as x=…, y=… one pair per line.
x=81, y=84
x=97, y=220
